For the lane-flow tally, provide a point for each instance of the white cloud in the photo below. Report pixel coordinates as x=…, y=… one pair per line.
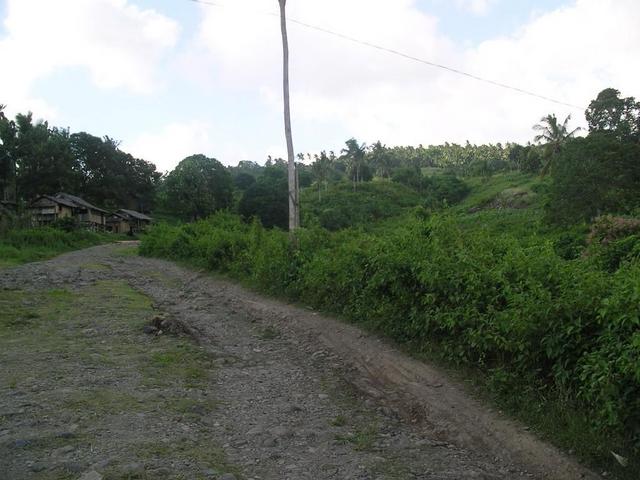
x=119, y=44
x=570, y=54
x=478, y=7
x=177, y=140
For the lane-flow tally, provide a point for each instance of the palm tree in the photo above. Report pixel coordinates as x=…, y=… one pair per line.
x=553, y=135
x=294, y=205
x=381, y=159
x=354, y=154
x=322, y=170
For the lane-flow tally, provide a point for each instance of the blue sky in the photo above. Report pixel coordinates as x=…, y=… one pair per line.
x=170, y=77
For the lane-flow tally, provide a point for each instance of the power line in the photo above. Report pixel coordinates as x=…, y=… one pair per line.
x=407, y=56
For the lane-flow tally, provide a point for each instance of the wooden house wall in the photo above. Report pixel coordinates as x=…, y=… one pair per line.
x=121, y=226
x=92, y=217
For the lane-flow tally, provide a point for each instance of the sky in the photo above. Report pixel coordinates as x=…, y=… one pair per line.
x=171, y=78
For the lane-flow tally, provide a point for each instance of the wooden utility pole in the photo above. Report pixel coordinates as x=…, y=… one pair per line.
x=294, y=205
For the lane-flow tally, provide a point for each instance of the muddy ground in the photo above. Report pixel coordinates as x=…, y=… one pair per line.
x=231, y=386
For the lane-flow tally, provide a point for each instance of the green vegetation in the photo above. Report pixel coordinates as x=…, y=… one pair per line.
x=29, y=245
x=341, y=207
x=362, y=438
x=196, y=187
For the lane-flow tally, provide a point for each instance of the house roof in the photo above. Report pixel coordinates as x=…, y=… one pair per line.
x=78, y=202
x=134, y=214
x=117, y=217
x=61, y=201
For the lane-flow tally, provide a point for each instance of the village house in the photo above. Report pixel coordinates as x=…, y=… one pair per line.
x=47, y=209
x=127, y=221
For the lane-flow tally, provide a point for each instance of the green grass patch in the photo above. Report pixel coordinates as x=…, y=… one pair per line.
x=362, y=438
x=104, y=402
x=339, y=421
x=206, y=455
x=36, y=244
x=126, y=250
x=269, y=333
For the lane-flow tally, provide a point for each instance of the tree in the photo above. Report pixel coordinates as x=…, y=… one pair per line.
x=553, y=135
x=197, y=187
x=110, y=177
x=294, y=203
x=619, y=116
x=355, y=157
x=381, y=159
x=596, y=175
x=41, y=157
x=7, y=160
x=243, y=181
x=267, y=199
x=321, y=169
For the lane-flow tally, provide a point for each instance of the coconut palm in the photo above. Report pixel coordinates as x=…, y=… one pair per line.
x=321, y=169
x=553, y=136
x=382, y=159
x=355, y=156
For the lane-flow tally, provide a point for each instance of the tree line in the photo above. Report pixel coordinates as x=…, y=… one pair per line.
x=598, y=170
x=36, y=158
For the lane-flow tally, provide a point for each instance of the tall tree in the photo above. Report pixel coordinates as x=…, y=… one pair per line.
x=381, y=159
x=612, y=114
x=7, y=160
x=294, y=204
x=321, y=169
x=597, y=174
x=553, y=135
x=197, y=187
x=266, y=199
x=43, y=159
x=354, y=154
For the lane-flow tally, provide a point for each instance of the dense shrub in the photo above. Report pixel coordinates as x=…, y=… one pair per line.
x=342, y=207
x=593, y=176
x=267, y=199
x=517, y=310
x=612, y=241
x=439, y=190
x=443, y=190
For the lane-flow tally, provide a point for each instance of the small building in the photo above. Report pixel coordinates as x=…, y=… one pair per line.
x=47, y=209
x=128, y=221
x=89, y=216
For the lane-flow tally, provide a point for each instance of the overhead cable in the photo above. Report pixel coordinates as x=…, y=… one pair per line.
x=406, y=56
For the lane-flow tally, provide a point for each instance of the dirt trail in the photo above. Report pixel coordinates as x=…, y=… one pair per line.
x=298, y=395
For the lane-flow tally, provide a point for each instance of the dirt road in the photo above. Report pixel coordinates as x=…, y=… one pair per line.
x=251, y=388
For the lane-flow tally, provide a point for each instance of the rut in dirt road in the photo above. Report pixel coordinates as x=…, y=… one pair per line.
x=292, y=395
